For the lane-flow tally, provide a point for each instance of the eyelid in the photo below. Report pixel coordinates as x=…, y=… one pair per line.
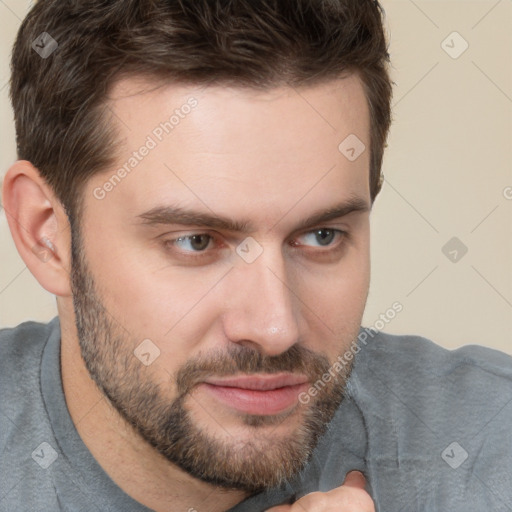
x=340, y=232
x=171, y=236
x=192, y=234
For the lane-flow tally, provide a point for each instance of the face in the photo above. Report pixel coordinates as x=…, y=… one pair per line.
x=219, y=272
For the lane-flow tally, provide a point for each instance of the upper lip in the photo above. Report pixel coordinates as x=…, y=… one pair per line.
x=258, y=382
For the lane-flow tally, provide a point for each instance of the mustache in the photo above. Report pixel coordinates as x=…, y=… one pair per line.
x=239, y=359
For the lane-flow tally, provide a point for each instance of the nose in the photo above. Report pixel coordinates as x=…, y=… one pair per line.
x=261, y=312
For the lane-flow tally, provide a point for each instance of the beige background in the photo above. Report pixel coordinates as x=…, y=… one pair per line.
x=448, y=172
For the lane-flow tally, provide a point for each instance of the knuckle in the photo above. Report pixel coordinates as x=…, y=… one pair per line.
x=352, y=500
x=362, y=500
x=315, y=502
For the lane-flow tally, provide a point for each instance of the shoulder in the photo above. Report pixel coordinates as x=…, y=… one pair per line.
x=406, y=355
x=23, y=420
x=413, y=385
x=414, y=373
x=435, y=418
x=21, y=350
x=21, y=347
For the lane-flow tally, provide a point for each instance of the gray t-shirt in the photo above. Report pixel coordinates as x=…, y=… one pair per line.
x=430, y=428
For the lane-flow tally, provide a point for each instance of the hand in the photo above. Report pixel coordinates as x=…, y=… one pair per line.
x=350, y=497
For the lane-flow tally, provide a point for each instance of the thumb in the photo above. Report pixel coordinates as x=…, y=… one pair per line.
x=355, y=479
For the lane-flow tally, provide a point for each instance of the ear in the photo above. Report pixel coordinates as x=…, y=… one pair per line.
x=39, y=227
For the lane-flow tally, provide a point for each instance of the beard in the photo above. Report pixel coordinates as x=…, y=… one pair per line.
x=257, y=462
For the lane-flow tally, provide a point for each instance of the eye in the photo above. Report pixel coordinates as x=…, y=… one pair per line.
x=195, y=248
x=193, y=243
x=322, y=237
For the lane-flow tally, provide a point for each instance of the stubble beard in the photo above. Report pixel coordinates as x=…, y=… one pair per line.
x=261, y=460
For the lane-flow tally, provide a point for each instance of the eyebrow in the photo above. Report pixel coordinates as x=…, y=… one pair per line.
x=165, y=215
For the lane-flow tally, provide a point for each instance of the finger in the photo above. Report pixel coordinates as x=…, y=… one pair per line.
x=280, y=508
x=355, y=479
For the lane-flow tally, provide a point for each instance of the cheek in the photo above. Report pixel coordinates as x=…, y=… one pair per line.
x=344, y=282
x=150, y=299
x=334, y=301
x=340, y=298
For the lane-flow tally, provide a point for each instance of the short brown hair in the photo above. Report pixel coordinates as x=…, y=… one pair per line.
x=59, y=101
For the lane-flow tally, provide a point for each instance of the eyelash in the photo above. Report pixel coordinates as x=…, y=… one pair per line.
x=206, y=253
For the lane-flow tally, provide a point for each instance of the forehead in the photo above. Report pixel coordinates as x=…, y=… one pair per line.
x=333, y=106
x=221, y=146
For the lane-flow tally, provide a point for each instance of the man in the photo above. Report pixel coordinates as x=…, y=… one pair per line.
x=194, y=185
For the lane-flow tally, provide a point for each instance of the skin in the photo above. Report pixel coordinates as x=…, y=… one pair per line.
x=349, y=497
x=270, y=158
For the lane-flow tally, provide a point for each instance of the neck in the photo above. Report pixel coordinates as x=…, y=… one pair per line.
x=135, y=466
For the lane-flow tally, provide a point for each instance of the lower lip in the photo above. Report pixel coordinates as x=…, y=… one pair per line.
x=250, y=401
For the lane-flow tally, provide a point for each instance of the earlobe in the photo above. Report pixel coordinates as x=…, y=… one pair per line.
x=39, y=226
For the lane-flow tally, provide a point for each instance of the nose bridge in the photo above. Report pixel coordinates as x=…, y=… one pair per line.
x=262, y=309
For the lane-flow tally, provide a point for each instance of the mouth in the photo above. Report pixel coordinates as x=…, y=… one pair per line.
x=262, y=395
